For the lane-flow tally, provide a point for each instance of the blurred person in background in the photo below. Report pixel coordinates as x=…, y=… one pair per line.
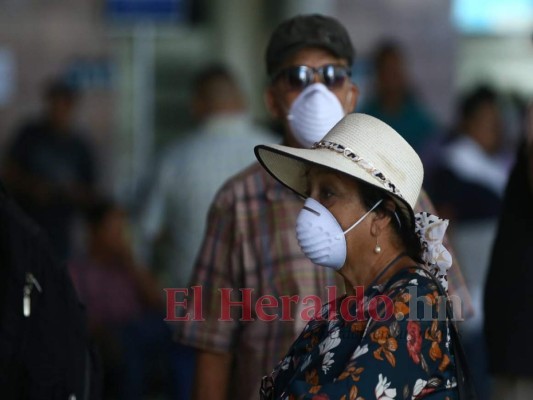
x=467, y=185
x=124, y=306
x=50, y=168
x=508, y=301
x=249, y=240
x=394, y=100
x=469, y=182
x=194, y=167
x=189, y=174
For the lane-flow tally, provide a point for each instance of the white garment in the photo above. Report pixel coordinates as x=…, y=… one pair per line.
x=470, y=162
x=190, y=173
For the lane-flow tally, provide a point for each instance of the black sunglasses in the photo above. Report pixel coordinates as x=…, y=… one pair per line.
x=301, y=76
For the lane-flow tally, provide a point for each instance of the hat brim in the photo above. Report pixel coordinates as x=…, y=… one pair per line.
x=289, y=166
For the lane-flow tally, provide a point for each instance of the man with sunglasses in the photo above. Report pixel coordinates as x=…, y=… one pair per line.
x=249, y=240
x=309, y=60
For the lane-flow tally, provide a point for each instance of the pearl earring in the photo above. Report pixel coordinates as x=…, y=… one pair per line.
x=377, y=249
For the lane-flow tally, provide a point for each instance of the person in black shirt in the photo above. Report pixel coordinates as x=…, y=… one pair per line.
x=508, y=300
x=50, y=168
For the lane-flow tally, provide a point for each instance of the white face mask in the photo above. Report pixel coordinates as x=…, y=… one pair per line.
x=314, y=112
x=320, y=236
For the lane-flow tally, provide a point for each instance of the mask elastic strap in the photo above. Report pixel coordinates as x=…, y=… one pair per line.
x=398, y=219
x=363, y=217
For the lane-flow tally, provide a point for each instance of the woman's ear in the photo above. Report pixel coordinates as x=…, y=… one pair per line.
x=382, y=216
x=390, y=206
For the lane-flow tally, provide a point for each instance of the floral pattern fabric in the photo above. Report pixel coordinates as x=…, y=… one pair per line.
x=407, y=355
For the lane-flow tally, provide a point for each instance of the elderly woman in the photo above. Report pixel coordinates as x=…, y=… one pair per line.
x=390, y=336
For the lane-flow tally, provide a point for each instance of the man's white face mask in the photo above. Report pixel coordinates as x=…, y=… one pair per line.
x=313, y=113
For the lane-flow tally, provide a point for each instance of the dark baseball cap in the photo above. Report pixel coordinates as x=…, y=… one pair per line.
x=308, y=31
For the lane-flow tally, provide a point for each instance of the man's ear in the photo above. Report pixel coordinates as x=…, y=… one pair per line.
x=351, y=98
x=271, y=103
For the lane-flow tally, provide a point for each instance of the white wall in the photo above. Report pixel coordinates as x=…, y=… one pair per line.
x=506, y=61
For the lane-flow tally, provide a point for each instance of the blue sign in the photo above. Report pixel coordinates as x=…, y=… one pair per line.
x=88, y=73
x=151, y=10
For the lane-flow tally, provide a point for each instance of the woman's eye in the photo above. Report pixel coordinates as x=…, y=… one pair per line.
x=326, y=194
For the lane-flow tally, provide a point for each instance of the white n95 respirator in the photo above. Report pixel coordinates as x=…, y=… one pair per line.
x=320, y=236
x=313, y=113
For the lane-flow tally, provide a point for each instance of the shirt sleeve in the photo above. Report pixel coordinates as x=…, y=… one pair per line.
x=217, y=268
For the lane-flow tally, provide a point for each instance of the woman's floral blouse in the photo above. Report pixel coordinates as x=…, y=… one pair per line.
x=407, y=356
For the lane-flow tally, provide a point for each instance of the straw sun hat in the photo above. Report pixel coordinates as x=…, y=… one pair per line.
x=360, y=146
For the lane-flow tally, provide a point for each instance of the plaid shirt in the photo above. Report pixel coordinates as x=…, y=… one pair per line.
x=250, y=242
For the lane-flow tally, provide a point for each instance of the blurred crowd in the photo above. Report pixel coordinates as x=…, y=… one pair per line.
x=50, y=170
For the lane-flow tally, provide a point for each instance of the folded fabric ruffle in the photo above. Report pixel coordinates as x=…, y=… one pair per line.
x=431, y=230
